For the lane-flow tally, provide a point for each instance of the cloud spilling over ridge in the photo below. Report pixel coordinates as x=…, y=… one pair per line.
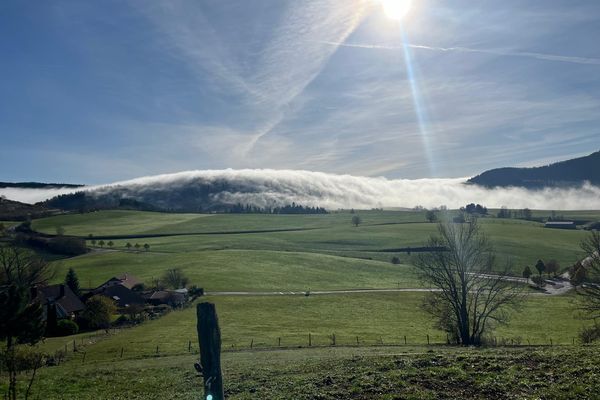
x=264, y=187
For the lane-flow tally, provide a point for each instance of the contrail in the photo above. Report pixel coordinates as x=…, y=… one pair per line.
x=496, y=52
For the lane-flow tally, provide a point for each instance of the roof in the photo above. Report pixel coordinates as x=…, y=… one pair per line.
x=121, y=294
x=66, y=301
x=560, y=223
x=127, y=280
x=166, y=296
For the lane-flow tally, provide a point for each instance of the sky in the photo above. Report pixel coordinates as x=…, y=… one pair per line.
x=96, y=92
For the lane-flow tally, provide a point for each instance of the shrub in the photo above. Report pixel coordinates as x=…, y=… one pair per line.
x=395, y=260
x=196, y=291
x=122, y=320
x=538, y=280
x=66, y=327
x=590, y=334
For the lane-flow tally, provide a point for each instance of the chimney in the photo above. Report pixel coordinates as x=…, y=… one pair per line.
x=62, y=291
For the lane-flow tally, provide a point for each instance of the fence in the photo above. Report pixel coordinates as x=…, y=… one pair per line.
x=86, y=353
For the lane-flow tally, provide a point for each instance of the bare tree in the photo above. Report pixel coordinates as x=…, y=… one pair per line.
x=175, y=278
x=471, y=294
x=590, y=289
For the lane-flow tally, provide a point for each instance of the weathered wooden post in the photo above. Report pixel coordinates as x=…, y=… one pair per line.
x=209, y=338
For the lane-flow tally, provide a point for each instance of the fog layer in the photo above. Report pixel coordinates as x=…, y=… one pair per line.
x=262, y=187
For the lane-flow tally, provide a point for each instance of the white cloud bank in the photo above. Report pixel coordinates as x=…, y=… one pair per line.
x=267, y=187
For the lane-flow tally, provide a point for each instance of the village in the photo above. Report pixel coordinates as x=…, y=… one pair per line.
x=120, y=301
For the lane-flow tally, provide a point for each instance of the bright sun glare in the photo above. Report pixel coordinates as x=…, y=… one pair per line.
x=396, y=9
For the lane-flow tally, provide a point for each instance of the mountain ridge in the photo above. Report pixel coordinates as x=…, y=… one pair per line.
x=568, y=173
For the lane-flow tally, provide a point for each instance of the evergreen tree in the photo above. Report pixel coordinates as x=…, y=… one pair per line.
x=72, y=281
x=527, y=272
x=21, y=314
x=541, y=267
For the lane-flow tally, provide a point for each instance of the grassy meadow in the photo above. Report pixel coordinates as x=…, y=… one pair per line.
x=297, y=253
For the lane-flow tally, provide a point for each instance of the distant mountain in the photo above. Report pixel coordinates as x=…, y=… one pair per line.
x=37, y=185
x=568, y=173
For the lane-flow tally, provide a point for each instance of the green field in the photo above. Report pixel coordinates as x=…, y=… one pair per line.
x=519, y=242
x=298, y=253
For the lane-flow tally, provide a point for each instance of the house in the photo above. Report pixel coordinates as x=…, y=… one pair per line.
x=127, y=280
x=560, y=225
x=60, y=297
x=119, y=289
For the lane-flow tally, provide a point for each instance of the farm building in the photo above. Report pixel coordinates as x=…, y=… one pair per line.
x=61, y=298
x=174, y=298
x=561, y=225
x=120, y=290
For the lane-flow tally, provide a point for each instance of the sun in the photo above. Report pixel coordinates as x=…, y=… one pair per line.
x=396, y=9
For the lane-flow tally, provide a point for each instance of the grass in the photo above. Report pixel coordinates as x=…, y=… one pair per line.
x=520, y=242
x=375, y=318
x=244, y=270
x=410, y=372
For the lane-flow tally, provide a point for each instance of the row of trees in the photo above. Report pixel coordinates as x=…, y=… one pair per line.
x=110, y=244
x=551, y=268
x=525, y=213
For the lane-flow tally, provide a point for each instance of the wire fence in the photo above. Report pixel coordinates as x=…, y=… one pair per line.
x=85, y=351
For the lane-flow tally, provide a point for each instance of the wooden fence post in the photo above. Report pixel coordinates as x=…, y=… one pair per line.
x=252, y=343
x=427, y=338
x=404, y=339
x=83, y=360
x=357, y=342
x=309, y=340
x=209, y=339
x=279, y=342
x=122, y=352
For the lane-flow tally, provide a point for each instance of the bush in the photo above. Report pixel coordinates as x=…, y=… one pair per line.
x=590, y=334
x=122, y=320
x=195, y=291
x=66, y=327
x=395, y=260
x=538, y=280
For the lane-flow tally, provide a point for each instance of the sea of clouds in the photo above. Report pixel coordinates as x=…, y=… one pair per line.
x=263, y=187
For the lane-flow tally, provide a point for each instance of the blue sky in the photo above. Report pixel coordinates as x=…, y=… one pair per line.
x=96, y=92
